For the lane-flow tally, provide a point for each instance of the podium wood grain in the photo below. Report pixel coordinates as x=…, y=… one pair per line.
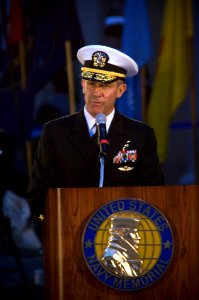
x=67, y=211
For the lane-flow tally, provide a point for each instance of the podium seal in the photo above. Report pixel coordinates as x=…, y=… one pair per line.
x=128, y=244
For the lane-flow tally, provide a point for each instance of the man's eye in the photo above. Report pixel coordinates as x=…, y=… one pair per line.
x=104, y=85
x=91, y=83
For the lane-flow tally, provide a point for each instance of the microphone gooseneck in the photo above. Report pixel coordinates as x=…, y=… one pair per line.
x=102, y=134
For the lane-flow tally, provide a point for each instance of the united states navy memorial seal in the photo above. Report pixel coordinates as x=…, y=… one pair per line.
x=128, y=244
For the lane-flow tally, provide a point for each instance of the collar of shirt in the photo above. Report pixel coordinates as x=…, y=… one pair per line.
x=91, y=120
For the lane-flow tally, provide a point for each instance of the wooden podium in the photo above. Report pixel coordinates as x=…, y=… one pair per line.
x=67, y=211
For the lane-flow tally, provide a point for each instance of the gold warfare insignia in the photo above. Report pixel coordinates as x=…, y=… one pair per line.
x=100, y=59
x=128, y=244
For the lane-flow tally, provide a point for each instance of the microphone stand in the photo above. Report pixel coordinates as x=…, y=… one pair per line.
x=102, y=155
x=101, y=180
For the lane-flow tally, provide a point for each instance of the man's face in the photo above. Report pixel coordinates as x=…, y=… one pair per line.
x=100, y=97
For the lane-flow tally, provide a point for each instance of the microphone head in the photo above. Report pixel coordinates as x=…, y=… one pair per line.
x=100, y=118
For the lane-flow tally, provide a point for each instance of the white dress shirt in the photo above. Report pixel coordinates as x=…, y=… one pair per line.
x=91, y=120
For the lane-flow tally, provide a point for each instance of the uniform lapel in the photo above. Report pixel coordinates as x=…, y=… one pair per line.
x=116, y=135
x=80, y=138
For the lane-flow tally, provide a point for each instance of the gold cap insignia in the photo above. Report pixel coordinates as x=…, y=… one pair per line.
x=99, y=59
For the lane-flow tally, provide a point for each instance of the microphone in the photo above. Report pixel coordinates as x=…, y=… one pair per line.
x=102, y=135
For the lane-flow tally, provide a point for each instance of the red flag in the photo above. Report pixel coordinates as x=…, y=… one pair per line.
x=15, y=29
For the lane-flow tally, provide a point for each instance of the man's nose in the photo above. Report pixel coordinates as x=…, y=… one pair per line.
x=97, y=90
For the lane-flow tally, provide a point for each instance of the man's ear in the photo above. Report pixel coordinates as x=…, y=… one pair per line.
x=121, y=89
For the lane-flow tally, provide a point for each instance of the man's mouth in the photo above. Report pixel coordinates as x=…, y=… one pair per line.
x=96, y=103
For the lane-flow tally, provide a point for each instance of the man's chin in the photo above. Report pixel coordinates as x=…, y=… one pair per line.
x=97, y=111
